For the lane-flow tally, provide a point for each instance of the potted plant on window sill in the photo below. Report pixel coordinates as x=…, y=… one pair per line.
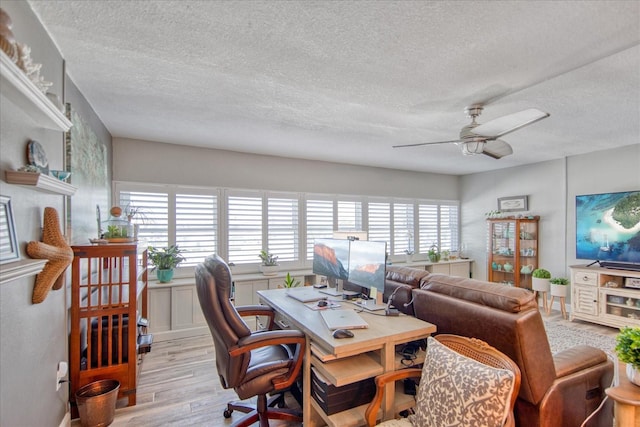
x=628, y=351
x=408, y=255
x=269, y=266
x=164, y=260
x=434, y=254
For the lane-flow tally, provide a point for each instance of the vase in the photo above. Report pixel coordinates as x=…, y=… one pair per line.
x=633, y=374
x=542, y=285
x=164, y=276
x=558, y=290
x=269, y=270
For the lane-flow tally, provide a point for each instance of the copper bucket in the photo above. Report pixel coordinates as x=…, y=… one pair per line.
x=97, y=403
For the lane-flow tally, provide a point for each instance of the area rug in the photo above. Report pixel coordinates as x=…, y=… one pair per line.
x=561, y=337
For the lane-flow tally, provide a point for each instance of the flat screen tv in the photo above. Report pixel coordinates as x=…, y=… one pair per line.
x=331, y=258
x=367, y=263
x=608, y=229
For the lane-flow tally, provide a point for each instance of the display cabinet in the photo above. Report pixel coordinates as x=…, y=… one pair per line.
x=605, y=296
x=512, y=251
x=108, y=315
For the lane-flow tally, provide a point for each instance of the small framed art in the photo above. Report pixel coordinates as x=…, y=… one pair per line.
x=513, y=203
x=9, y=250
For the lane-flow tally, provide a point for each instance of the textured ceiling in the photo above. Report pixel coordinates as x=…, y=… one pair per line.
x=344, y=81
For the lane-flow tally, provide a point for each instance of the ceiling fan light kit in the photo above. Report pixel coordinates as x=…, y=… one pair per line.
x=483, y=138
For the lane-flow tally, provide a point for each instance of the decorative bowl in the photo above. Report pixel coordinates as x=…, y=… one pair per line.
x=61, y=175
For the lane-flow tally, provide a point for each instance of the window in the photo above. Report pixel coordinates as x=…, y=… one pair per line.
x=282, y=232
x=349, y=216
x=196, y=226
x=319, y=222
x=380, y=222
x=238, y=224
x=244, y=229
x=403, y=228
x=168, y=217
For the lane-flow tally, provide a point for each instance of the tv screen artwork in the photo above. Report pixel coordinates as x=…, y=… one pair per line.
x=608, y=227
x=331, y=258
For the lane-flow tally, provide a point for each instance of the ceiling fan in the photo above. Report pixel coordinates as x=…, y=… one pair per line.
x=483, y=138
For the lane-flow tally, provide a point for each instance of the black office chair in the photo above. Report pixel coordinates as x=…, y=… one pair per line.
x=253, y=364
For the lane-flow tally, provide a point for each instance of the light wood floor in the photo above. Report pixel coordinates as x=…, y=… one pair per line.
x=179, y=384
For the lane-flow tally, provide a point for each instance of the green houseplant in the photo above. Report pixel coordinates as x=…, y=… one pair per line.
x=290, y=282
x=628, y=351
x=269, y=266
x=434, y=254
x=541, y=280
x=164, y=260
x=559, y=286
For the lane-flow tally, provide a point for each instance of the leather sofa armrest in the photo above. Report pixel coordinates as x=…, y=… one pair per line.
x=581, y=391
x=576, y=359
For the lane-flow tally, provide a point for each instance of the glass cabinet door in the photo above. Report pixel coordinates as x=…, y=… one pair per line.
x=502, y=251
x=512, y=251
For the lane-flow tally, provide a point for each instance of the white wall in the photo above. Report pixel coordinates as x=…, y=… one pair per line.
x=551, y=187
x=33, y=337
x=145, y=161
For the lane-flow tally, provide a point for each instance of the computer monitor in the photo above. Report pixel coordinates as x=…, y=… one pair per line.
x=331, y=258
x=367, y=264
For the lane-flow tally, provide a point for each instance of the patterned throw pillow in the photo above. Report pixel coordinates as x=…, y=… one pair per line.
x=458, y=391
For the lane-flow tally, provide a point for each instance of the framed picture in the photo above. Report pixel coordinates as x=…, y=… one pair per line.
x=9, y=250
x=513, y=203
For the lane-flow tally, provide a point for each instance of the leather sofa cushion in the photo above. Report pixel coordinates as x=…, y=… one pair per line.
x=494, y=295
x=410, y=276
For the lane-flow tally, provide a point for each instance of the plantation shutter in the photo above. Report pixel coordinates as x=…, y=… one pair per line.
x=282, y=231
x=319, y=222
x=244, y=229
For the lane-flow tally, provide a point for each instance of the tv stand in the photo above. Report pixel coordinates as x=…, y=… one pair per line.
x=606, y=296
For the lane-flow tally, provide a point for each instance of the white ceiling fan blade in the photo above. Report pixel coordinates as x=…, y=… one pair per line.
x=496, y=128
x=426, y=143
x=497, y=148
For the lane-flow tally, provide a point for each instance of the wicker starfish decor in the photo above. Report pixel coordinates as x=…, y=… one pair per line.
x=54, y=248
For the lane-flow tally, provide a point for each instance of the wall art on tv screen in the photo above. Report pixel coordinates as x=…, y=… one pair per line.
x=608, y=227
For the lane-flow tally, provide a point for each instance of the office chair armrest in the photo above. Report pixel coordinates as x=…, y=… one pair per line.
x=381, y=380
x=258, y=310
x=267, y=338
x=278, y=337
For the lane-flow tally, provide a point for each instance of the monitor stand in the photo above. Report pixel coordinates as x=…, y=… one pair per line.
x=334, y=288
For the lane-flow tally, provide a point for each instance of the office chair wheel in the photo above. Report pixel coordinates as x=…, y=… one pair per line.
x=227, y=413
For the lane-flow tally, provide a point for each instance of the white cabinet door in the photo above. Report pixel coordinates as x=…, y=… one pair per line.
x=159, y=309
x=459, y=269
x=185, y=308
x=585, y=299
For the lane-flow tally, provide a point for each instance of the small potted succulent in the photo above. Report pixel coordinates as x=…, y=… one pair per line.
x=290, y=281
x=541, y=280
x=559, y=286
x=628, y=351
x=164, y=260
x=269, y=266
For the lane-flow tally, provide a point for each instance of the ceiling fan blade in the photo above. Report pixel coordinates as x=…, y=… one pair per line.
x=426, y=143
x=497, y=148
x=496, y=128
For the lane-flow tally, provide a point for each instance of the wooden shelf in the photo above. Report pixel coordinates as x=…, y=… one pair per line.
x=40, y=182
x=17, y=88
x=16, y=270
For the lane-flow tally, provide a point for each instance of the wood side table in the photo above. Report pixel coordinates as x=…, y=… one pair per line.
x=626, y=398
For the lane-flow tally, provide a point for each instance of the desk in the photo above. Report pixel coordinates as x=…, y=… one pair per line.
x=626, y=397
x=369, y=353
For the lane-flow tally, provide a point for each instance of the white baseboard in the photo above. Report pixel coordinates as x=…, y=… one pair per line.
x=66, y=421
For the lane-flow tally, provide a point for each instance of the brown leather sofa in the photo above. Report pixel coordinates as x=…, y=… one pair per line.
x=558, y=390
